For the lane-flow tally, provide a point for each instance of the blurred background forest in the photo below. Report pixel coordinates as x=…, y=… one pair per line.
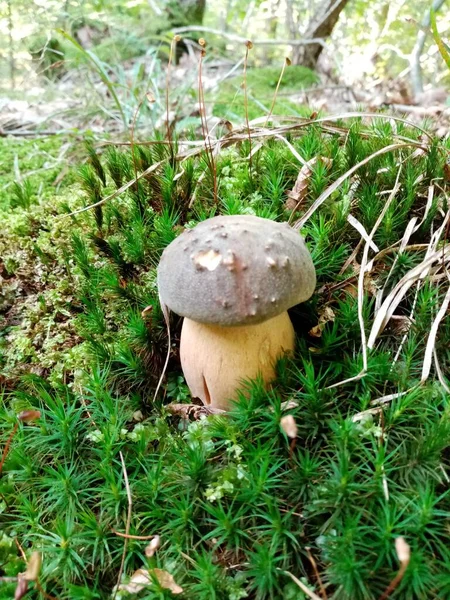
x=88, y=64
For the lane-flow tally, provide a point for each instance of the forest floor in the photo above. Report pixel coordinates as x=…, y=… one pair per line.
x=110, y=491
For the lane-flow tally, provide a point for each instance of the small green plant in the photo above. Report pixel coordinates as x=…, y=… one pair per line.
x=23, y=194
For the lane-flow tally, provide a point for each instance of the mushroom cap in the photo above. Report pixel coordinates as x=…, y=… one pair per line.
x=235, y=270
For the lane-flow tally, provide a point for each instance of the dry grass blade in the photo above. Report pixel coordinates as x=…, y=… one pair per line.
x=430, y=347
x=323, y=592
x=389, y=397
x=345, y=381
x=365, y=267
x=128, y=524
x=403, y=340
x=353, y=115
x=165, y=312
x=334, y=186
x=362, y=232
x=410, y=229
x=300, y=159
x=122, y=189
x=394, y=298
x=133, y=537
x=439, y=373
x=361, y=415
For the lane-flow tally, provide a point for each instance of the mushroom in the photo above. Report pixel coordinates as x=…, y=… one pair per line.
x=233, y=278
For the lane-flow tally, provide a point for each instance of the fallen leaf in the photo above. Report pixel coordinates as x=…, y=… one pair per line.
x=326, y=315
x=186, y=411
x=167, y=581
x=153, y=546
x=289, y=426
x=33, y=567
x=402, y=549
x=300, y=189
x=29, y=415
x=138, y=581
x=399, y=324
x=143, y=578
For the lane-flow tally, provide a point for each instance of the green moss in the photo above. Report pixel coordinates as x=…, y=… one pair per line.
x=261, y=86
x=37, y=161
x=37, y=289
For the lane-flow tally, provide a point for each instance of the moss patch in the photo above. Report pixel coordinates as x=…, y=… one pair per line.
x=261, y=86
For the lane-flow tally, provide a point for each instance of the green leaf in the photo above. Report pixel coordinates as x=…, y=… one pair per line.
x=443, y=48
x=100, y=68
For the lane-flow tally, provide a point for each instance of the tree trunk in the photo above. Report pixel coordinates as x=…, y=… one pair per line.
x=182, y=13
x=320, y=26
x=12, y=66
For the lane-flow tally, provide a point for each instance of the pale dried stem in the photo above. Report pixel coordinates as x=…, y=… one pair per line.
x=165, y=312
x=303, y=587
x=128, y=524
x=431, y=342
x=363, y=269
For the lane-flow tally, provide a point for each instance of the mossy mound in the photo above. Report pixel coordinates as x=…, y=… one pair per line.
x=261, y=86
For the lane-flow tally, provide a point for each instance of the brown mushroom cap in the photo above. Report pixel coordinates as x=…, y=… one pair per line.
x=235, y=270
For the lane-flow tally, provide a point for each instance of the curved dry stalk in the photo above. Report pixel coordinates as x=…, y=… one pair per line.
x=352, y=115
x=439, y=373
x=286, y=63
x=397, y=294
x=364, y=268
x=235, y=137
x=417, y=273
x=403, y=554
x=431, y=341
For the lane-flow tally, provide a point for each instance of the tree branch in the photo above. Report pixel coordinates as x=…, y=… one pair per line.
x=242, y=40
x=416, y=70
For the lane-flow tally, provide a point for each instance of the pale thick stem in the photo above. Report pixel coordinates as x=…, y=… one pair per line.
x=216, y=360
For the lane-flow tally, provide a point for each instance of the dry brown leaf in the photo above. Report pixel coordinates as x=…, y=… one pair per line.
x=33, y=567
x=143, y=578
x=194, y=411
x=400, y=324
x=300, y=189
x=326, y=315
x=167, y=581
x=29, y=415
x=21, y=588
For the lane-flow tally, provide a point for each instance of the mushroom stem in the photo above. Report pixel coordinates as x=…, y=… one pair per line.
x=217, y=359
